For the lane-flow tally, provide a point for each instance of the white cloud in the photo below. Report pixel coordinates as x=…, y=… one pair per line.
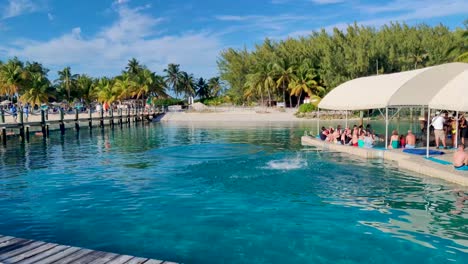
x=18, y=7
x=134, y=34
x=50, y=16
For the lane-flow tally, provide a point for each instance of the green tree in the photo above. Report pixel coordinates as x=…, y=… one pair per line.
x=12, y=77
x=214, y=86
x=173, y=78
x=67, y=81
x=203, y=89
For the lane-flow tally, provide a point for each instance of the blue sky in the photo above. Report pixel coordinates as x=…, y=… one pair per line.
x=98, y=37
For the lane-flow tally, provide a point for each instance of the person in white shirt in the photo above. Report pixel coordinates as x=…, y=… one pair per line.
x=438, y=123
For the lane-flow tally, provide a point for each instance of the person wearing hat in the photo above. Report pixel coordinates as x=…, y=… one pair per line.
x=438, y=123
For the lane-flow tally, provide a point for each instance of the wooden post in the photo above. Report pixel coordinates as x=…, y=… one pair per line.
x=2, y=115
x=61, y=124
x=120, y=116
x=47, y=130
x=101, y=122
x=90, y=119
x=77, y=123
x=111, y=114
x=43, y=126
x=21, y=123
x=128, y=115
x=27, y=133
x=4, y=136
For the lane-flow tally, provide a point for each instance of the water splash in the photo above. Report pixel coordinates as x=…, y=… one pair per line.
x=287, y=164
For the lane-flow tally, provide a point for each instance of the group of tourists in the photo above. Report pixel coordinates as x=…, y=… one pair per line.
x=356, y=137
x=445, y=127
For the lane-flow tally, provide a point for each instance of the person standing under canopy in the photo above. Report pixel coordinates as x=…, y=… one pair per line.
x=438, y=123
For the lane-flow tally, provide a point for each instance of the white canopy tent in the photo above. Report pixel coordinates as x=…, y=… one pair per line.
x=411, y=88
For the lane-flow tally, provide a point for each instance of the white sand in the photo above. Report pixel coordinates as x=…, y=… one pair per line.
x=232, y=116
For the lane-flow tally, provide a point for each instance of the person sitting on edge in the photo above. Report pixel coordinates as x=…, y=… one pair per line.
x=460, y=158
x=438, y=123
x=361, y=139
x=410, y=140
x=394, y=140
x=355, y=137
x=369, y=129
x=368, y=140
x=402, y=141
x=324, y=133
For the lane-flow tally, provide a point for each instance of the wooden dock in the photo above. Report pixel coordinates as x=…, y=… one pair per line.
x=24, y=251
x=91, y=120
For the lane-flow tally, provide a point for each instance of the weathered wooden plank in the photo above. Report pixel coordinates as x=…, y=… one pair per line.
x=153, y=261
x=31, y=253
x=57, y=256
x=104, y=258
x=136, y=260
x=120, y=259
x=74, y=256
x=12, y=253
x=36, y=258
x=89, y=257
x=5, y=238
x=13, y=244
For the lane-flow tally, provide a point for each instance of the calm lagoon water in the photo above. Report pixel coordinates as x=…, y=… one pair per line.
x=225, y=194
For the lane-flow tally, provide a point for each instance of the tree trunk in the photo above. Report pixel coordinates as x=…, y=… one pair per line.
x=284, y=95
x=269, y=97
x=299, y=100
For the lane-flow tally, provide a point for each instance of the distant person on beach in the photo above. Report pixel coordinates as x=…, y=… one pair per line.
x=410, y=140
x=14, y=112
x=460, y=158
x=26, y=111
x=394, y=140
x=438, y=123
x=463, y=129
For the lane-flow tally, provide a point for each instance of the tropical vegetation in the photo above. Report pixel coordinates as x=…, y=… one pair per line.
x=290, y=70
x=28, y=82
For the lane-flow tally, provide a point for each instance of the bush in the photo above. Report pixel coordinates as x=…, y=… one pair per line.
x=167, y=102
x=306, y=108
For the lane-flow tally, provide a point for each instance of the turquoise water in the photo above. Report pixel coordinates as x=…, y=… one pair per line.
x=225, y=194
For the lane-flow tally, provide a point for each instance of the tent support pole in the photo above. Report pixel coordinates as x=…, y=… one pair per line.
x=428, y=131
x=318, y=121
x=346, y=122
x=386, y=127
x=456, y=133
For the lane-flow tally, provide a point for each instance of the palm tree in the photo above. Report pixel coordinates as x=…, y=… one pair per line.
x=85, y=86
x=105, y=91
x=284, y=73
x=187, y=84
x=173, y=78
x=133, y=67
x=203, y=91
x=158, y=88
x=38, y=91
x=305, y=81
x=66, y=80
x=12, y=77
x=124, y=86
x=214, y=86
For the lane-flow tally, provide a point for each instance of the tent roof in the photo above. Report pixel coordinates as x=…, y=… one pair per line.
x=410, y=88
x=454, y=95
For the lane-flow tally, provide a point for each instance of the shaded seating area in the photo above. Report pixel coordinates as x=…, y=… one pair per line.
x=442, y=87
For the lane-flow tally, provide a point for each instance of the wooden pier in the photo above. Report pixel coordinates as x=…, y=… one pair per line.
x=90, y=120
x=23, y=251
